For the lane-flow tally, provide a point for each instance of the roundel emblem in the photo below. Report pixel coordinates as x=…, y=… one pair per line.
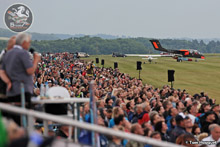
x=18, y=18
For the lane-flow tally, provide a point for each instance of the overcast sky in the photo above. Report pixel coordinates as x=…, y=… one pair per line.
x=134, y=18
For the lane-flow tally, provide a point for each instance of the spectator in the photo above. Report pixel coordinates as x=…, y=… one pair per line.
x=172, y=124
x=18, y=61
x=116, y=141
x=202, y=136
x=147, y=132
x=3, y=86
x=63, y=131
x=180, y=107
x=185, y=140
x=120, y=120
x=14, y=132
x=101, y=104
x=89, y=69
x=161, y=127
x=22, y=65
x=109, y=102
x=103, y=139
x=192, y=111
x=207, y=120
x=116, y=112
x=136, y=129
x=171, y=114
x=147, y=125
x=205, y=107
x=196, y=131
x=108, y=115
x=188, y=102
x=216, y=110
x=123, y=107
x=130, y=110
x=179, y=129
x=160, y=110
x=156, y=135
x=137, y=113
x=144, y=116
x=167, y=105
x=215, y=134
x=188, y=124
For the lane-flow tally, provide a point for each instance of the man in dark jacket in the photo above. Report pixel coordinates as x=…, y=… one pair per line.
x=207, y=120
x=179, y=129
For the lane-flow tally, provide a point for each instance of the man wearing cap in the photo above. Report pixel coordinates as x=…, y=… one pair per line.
x=179, y=129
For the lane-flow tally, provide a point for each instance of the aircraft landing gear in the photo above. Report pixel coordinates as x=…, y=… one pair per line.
x=179, y=60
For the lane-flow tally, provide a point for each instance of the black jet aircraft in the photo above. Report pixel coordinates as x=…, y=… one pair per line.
x=180, y=55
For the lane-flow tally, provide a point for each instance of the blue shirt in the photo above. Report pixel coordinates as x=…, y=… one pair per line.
x=112, y=122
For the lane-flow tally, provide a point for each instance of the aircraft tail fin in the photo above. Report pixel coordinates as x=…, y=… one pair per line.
x=157, y=46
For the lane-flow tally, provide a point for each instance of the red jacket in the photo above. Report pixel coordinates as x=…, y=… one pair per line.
x=145, y=118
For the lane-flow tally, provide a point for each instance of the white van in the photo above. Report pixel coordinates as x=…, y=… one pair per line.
x=81, y=54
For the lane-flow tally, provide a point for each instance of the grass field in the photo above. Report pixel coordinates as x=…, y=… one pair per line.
x=193, y=76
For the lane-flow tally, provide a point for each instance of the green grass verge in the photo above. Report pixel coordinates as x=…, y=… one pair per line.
x=4, y=38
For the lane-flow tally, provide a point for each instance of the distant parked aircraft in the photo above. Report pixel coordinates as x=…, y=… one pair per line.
x=118, y=55
x=181, y=54
x=81, y=54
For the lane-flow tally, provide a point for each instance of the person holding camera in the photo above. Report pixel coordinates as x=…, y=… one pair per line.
x=89, y=69
x=17, y=68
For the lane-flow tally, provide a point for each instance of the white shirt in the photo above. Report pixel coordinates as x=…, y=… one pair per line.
x=182, y=114
x=17, y=46
x=1, y=55
x=192, y=117
x=209, y=138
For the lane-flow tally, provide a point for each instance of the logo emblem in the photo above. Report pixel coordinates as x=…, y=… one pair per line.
x=18, y=18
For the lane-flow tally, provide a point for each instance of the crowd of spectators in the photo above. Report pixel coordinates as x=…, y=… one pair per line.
x=127, y=104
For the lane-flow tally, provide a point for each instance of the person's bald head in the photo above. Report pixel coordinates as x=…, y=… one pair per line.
x=11, y=42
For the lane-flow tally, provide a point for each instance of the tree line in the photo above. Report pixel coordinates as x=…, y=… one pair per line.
x=97, y=45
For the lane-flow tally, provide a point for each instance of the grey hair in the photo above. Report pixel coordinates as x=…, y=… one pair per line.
x=21, y=37
x=212, y=127
x=121, y=105
x=144, y=105
x=152, y=114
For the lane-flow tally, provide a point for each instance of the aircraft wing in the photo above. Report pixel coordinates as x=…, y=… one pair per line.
x=147, y=55
x=149, y=58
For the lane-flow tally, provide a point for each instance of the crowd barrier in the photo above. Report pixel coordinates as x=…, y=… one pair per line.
x=31, y=114
x=75, y=109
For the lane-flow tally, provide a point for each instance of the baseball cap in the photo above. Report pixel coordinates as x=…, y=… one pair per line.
x=179, y=118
